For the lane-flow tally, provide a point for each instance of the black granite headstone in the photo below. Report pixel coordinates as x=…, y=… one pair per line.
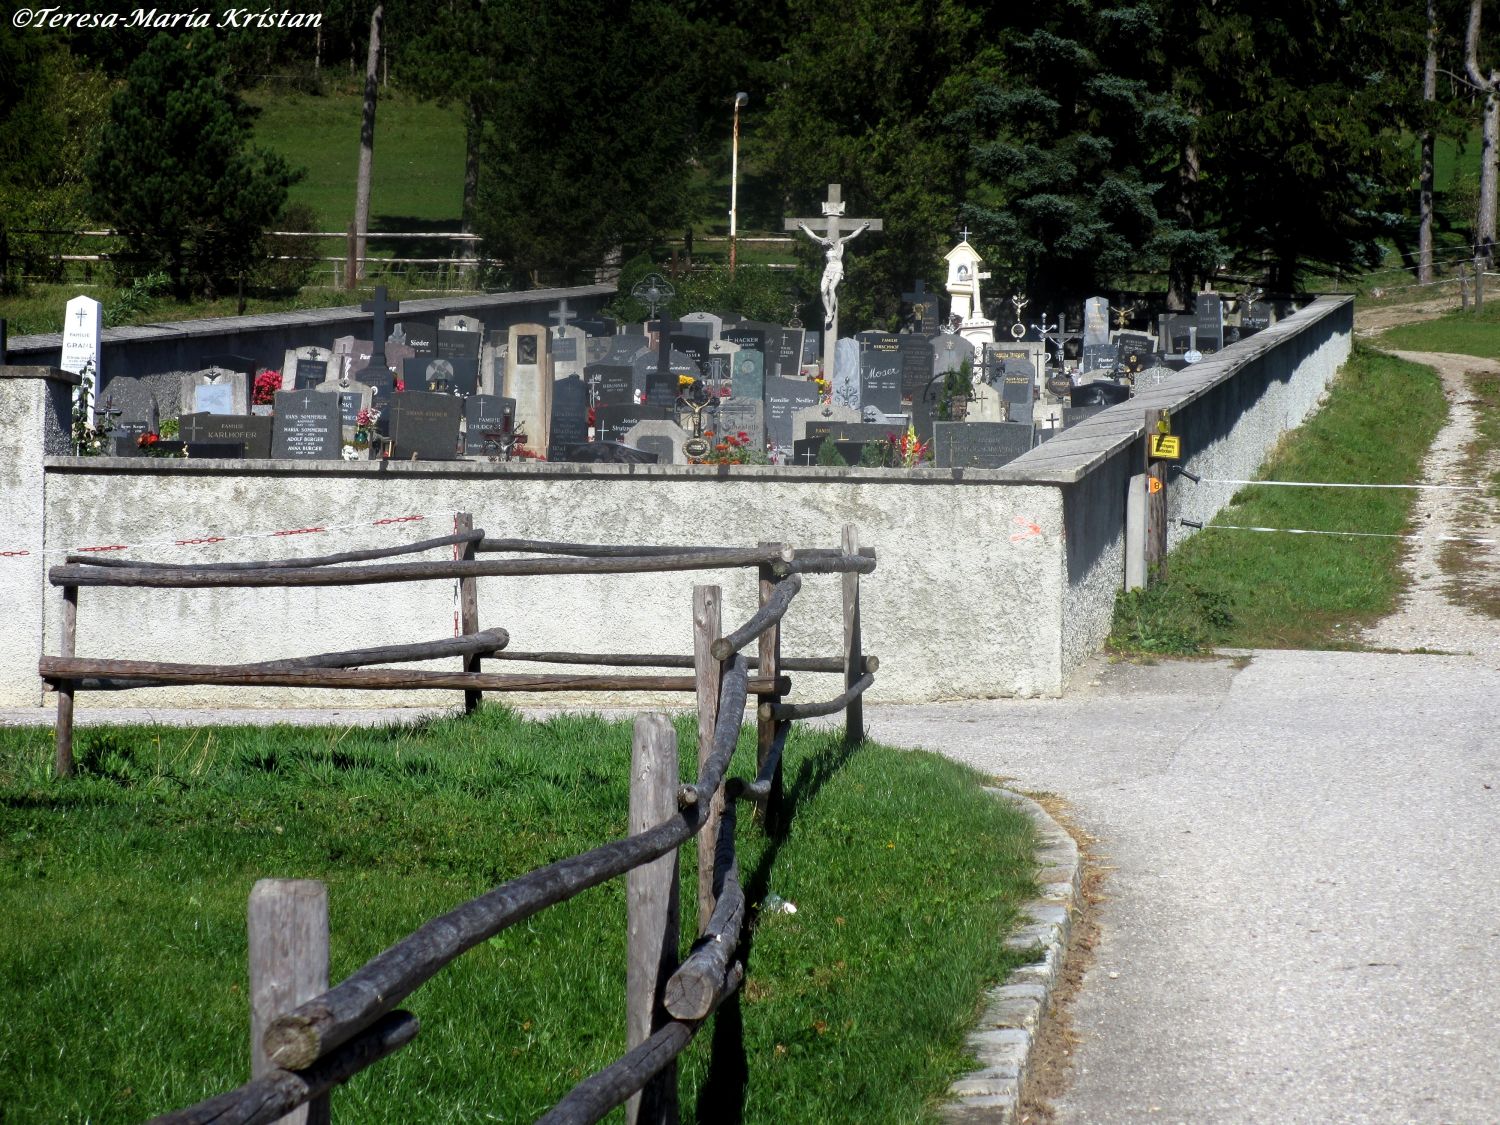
x=785, y=360
x=420, y=337
x=616, y=383
x=783, y=398
x=979, y=445
x=612, y=423
x=486, y=415
x=916, y=364
x=307, y=426
x=880, y=371
x=458, y=345
x=570, y=415
x=250, y=431
x=1210, y=322
x=426, y=425
x=310, y=373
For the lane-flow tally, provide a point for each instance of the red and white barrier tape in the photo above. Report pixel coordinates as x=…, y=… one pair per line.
x=210, y=539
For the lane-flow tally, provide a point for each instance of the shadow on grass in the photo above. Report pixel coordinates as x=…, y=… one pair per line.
x=722, y=1096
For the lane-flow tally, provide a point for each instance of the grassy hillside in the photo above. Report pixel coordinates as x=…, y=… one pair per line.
x=419, y=157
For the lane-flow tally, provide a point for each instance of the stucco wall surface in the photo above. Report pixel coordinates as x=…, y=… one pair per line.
x=962, y=604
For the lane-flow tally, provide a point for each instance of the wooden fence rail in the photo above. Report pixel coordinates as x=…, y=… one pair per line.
x=328, y=1037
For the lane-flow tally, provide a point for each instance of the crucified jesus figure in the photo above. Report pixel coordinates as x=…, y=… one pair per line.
x=833, y=267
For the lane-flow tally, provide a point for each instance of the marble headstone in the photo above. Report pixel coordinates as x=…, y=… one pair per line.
x=846, y=373
x=663, y=438
x=308, y=367
x=528, y=380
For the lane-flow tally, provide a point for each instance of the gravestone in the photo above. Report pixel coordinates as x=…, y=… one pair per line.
x=1256, y=318
x=600, y=327
x=824, y=416
x=743, y=415
x=694, y=347
x=746, y=336
x=353, y=397
x=417, y=335
x=612, y=423
x=1135, y=352
x=215, y=391
x=786, y=360
x=1209, y=311
x=570, y=416
x=949, y=353
x=1020, y=411
x=382, y=386
x=1072, y=415
x=485, y=415
x=306, y=426
x=305, y=368
x=425, y=425
x=812, y=349
x=132, y=406
x=253, y=432
x=748, y=380
x=1176, y=332
x=846, y=373
x=624, y=348
x=663, y=438
x=528, y=380
x=458, y=344
x=704, y=325
x=569, y=348
x=925, y=308
x=229, y=361
x=880, y=366
x=916, y=364
x=81, y=338
x=1017, y=386
x=979, y=445
x=923, y=415
x=1095, y=321
x=614, y=384
x=783, y=398
x=596, y=349
x=1099, y=357
x=459, y=323
x=441, y=375
x=718, y=368
x=661, y=389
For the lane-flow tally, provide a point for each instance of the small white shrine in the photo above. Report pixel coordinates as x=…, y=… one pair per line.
x=964, y=276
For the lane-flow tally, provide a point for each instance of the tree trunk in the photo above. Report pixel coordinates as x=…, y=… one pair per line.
x=1182, y=282
x=471, y=164
x=1429, y=95
x=367, y=142
x=1486, y=84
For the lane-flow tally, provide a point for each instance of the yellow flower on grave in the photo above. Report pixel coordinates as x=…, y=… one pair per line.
x=685, y=380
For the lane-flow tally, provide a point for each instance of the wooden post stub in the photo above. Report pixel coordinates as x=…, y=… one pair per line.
x=651, y=905
x=707, y=620
x=468, y=607
x=854, y=714
x=288, y=921
x=63, y=763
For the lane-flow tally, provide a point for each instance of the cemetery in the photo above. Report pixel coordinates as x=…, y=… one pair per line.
x=999, y=467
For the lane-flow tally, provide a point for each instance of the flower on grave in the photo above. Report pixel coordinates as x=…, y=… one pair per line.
x=267, y=383
x=365, y=418
x=401, y=384
x=685, y=380
x=146, y=441
x=725, y=392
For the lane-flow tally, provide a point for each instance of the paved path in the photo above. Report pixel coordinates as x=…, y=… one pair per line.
x=1302, y=922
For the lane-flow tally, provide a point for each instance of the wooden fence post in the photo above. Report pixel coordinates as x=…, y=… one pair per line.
x=288, y=966
x=854, y=714
x=468, y=607
x=765, y=723
x=64, y=758
x=1156, y=504
x=652, y=926
x=707, y=621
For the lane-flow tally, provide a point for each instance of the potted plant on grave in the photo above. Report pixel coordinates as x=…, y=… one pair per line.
x=364, y=427
x=263, y=393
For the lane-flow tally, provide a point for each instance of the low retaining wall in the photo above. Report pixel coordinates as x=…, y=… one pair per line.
x=990, y=583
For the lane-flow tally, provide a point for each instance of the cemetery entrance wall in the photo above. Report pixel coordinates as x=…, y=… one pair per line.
x=991, y=582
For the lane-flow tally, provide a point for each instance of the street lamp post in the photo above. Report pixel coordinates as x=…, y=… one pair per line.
x=734, y=179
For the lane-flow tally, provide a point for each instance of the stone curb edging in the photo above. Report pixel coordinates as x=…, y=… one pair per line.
x=1015, y=1010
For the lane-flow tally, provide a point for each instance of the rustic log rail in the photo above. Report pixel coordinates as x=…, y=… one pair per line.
x=324, y=1040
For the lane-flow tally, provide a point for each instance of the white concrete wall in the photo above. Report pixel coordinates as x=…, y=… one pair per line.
x=956, y=608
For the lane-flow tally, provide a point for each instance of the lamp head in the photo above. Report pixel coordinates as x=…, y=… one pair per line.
x=741, y=100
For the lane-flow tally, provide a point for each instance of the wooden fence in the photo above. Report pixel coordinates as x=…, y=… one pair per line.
x=308, y=1038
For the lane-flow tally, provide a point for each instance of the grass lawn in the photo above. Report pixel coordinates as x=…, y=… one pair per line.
x=122, y=916
x=1254, y=590
x=417, y=180
x=1462, y=333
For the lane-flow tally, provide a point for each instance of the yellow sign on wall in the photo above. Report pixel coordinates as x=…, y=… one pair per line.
x=1166, y=447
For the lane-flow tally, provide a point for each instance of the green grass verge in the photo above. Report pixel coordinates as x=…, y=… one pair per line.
x=1461, y=333
x=1254, y=590
x=122, y=905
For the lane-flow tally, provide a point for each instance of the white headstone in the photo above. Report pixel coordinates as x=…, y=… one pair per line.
x=664, y=438
x=569, y=351
x=528, y=380
x=846, y=373
x=215, y=391
x=80, y=338
x=460, y=324
x=823, y=412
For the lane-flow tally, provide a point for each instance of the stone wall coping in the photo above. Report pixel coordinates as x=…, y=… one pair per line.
x=217, y=326
x=55, y=374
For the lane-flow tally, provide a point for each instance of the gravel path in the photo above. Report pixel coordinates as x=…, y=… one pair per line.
x=1432, y=614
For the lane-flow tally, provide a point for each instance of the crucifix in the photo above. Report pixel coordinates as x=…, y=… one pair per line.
x=921, y=301
x=379, y=307
x=837, y=231
x=564, y=316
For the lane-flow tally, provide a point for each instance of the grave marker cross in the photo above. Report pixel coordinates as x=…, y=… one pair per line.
x=563, y=315
x=836, y=231
x=918, y=299
x=379, y=307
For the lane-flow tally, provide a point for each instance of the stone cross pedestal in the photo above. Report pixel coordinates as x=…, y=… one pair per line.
x=836, y=232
